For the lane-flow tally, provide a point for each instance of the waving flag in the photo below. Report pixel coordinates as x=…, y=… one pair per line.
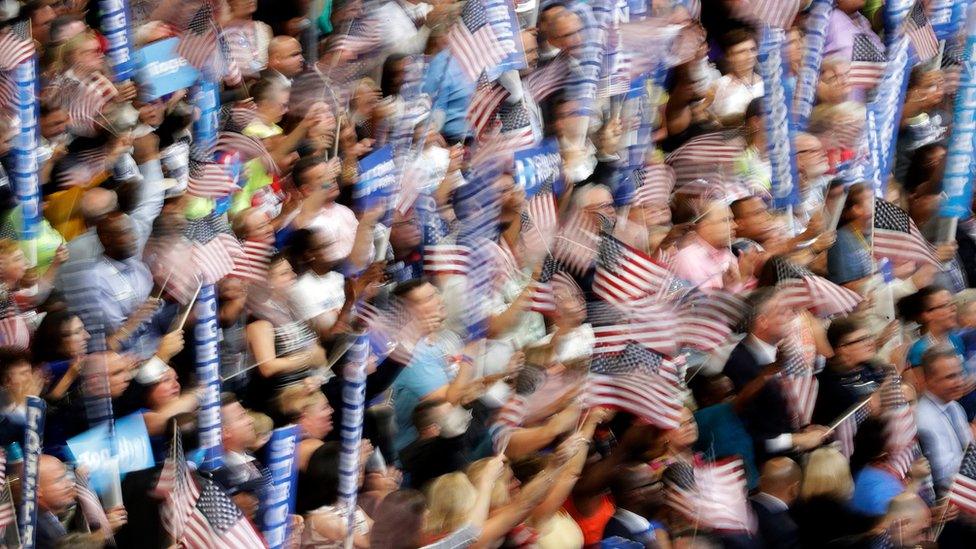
x=705, y=156
x=798, y=381
x=485, y=100
x=896, y=237
x=775, y=13
x=542, y=298
x=920, y=32
x=210, y=180
x=799, y=288
x=649, y=397
x=654, y=183
x=253, y=262
x=248, y=147
x=962, y=494
x=900, y=428
x=214, y=248
x=713, y=495
x=867, y=62
x=624, y=274
x=847, y=430
x=7, y=516
x=14, y=49
x=654, y=329
x=472, y=40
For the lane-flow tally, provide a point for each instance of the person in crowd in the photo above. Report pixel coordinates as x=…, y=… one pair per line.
x=876, y=481
x=637, y=494
x=57, y=501
x=740, y=84
x=849, y=259
x=306, y=407
x=850, y=375
x=779, y=488
x=823, y=512
x=437, y=450
x=943, y=430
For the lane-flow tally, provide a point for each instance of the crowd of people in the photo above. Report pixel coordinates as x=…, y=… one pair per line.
x=625, y=354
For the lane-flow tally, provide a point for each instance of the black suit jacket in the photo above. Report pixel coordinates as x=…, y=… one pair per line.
x=767, y=416
x=777, y=528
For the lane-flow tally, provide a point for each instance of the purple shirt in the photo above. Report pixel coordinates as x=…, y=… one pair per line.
x=841, y=30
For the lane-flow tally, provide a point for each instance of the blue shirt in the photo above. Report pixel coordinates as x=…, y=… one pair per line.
x=450, y=90
x=120, y=287
x=721, y=433
x=848, y=259
x=426, y=372
x=874, y=488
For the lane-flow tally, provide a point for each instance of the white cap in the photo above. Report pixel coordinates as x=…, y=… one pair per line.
x=151, y=371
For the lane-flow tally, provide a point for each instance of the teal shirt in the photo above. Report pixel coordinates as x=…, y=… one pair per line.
x=722, y=434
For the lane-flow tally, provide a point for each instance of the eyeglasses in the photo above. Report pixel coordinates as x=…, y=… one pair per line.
x=861, y=339
x=934, y=308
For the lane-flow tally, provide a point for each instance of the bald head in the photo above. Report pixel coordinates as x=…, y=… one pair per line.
x=285, y=56
x=55, y=489
x=96, y=203
x=781, y=478
x=907, y=520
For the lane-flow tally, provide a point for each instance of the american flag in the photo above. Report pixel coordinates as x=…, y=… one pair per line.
x=775, y=13
x=704, y=321
x=654, y=183
x=364, y=36
x=215, y=522
x=516, y=125
x=542, y=298
x=920, y=32
x=962, y=493
x=634, y=357
x=166, y=259
x=177, y=490
x=799, y=288
x=446, y=259
x=210, y=180
x=705, y=156
x=576, y=243
x=655, y=329
x=253, y=262
x=215, y=250
x=83, y=99
x=548, y=78
x=649, y=397
x=203, y=46
x=900, y=428
x=15, y=48
x=543, y=219
x=91, y=507
x=248, y=148
x=867, y=62
x=847, y=429
x=896, y=236
x=713, y=495
x=485, y=100
x=7, y=515
x=472, y=40
x=798, y=381
x=624, y=274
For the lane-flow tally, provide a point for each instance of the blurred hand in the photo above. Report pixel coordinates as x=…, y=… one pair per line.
x=60, y=256
x=608, y=141
x=566, y=420
x=946, y=251
x=127, y=91
x=920, y=469
x=361, y=148
x=170, y=345
x=810, y=438
x=117, y=517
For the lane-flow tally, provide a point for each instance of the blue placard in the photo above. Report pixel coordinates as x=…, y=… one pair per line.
x=206, y=98
x=377, y=180
x=813, y=45
x=33, y=440
x=538, y=166
x=94, y=450
x=278, y=503
x=505, y=25
x=162, y=71
x=957, y=183
x=208, y=376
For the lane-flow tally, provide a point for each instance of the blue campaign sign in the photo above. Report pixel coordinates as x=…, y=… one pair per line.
x=162, y=70
x=278, y=503
x=94, y=450
x=504, y=22
x=538, y=166
x=377, y=180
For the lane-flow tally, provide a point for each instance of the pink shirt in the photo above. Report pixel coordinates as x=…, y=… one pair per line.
x=702, y=265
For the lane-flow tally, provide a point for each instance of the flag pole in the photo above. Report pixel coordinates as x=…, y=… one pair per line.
x=850, y=411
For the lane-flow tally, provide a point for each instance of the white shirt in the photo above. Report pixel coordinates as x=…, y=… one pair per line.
x=339, y=225
x=732, y=96
x=316, y=295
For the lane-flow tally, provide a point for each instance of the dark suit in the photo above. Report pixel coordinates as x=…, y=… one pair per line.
x=767, y=416
x=776, y=527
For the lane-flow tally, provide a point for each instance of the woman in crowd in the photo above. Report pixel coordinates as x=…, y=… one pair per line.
x=823, y=513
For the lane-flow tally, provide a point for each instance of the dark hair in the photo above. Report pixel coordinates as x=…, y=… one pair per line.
x=46, y=343
x=735, y=37
x=398, y=521
x=407, y=286
x=936, y=353
x=320, y=483
x=303, y=165
x=869, y=443
x=755, y=303
x=423, y=415
x=854, y=193
x=10, y=357
x=913, y=306
x=263, y=89
x=754, y=109
x=841, y=328
x=390, y=67
x=298, y=245
x=226, y=399
x=919, y=174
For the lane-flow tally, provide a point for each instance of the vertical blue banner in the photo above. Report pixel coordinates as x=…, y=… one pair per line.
x=33, y=440
x=206, y=97
x=208, y=376
x=887, y=105
x=957, y=183
x=816, y=36
x=351, y=432
x=24, y=151
x=278, y=503
x=779, y=123
x=113, y=18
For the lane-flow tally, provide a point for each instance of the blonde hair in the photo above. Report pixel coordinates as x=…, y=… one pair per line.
x=295, y=399
x=964, y=298
x=450, y=498
x=262, y=423
x=499, y=492
x=827, y=473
